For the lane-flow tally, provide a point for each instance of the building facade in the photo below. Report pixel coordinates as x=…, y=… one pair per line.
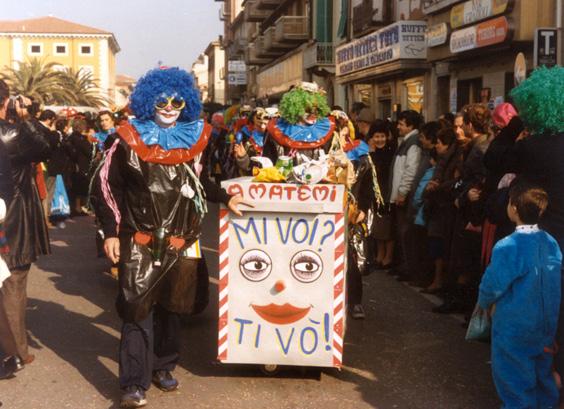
x=433, y=56
x=200, y=73
x=472, y=47
x=216, y=72
x=65, y=43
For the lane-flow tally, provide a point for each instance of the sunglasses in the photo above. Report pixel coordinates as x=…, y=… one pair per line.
x=175, y=102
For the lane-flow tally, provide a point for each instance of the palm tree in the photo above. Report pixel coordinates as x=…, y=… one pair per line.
x=83, y=87
x=48, y=84
x=37, y=80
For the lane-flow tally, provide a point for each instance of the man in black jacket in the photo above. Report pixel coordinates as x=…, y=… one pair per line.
x=25, y=225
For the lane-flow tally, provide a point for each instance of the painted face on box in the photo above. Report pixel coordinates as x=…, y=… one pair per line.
x=282, y=305
x=282, y=268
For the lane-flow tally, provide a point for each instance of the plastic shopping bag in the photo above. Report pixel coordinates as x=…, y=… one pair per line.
x=479, y=328
x=60, y=204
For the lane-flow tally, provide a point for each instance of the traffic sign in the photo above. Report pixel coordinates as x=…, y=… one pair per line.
x=546, y=47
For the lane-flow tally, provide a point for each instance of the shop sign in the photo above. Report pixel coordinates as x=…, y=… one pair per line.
x=431, y=6
x=236, y=66
x=401, y=40
x=237, y=78
x=236, y=72
x=476, y=10
x=546, y=47
x=437, y=35
x=366, y=14
x=481, y=35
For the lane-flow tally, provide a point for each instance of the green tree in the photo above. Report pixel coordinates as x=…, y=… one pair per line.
x=49, y=85
x=38, y=80
x=83, y=87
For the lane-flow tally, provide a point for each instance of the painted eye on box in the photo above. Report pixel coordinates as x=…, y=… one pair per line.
x=255, y=265
x=306, y=266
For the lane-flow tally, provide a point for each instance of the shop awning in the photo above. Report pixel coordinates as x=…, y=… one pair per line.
x=384, y=71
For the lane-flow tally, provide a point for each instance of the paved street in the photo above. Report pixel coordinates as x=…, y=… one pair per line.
x=401, y=356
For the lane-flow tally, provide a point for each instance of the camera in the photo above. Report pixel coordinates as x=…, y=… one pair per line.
x=12, y=103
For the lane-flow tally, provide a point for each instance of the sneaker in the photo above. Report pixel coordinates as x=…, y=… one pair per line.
x=164, y=381
x=133, y=397
x=357, y=312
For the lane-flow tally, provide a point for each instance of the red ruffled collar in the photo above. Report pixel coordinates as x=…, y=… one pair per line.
x=285, y=141
x=155, y=153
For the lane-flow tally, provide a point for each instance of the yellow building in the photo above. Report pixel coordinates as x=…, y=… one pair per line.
x=66, y=43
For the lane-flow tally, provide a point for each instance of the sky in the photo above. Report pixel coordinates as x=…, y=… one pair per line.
x=173, y=32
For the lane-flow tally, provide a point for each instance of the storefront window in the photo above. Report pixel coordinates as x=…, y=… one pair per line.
x=363, y=93
x=414, y=91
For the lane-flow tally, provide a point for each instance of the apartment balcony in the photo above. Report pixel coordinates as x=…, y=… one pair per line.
x=238, y=46
x=268, y=4
x=319, y=54
x=251, y=31
x=271, y=43
x=253, y=13
x=224, y=12
x=291, y=29
x=251, y=57
x=264, y=51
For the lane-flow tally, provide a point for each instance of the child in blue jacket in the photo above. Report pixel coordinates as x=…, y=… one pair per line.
x=523, y=281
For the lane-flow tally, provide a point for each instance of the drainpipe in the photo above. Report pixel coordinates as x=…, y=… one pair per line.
x=559, y=31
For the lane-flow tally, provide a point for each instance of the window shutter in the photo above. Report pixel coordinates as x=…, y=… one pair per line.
x=342, y=31
x=323, y=21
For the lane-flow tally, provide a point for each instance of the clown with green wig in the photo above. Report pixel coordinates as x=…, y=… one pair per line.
x=304, y=125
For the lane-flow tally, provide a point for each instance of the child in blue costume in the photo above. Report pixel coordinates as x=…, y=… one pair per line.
x=523, y=281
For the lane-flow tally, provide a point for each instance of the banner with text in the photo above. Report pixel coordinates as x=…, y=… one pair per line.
x=401, y=40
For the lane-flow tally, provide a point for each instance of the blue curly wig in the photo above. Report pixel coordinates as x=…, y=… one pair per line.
x=165, y=81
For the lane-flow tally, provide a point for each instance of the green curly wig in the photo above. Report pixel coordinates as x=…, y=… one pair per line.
x=540, y=100
x=295, y=103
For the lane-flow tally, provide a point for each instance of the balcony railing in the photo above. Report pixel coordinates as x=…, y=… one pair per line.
x=238, y=45
x=252, y=12
x=291, y=29
x=263, y=50
x=251, y=57
x=271, y=43
x=318, y=54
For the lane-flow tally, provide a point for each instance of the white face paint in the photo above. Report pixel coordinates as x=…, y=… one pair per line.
x=309, y=118
x=166, y=118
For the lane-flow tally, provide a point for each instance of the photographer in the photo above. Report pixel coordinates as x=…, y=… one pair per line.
x=24, y=225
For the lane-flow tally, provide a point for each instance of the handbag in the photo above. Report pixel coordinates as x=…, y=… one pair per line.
x=479, y=327
x=60, y=203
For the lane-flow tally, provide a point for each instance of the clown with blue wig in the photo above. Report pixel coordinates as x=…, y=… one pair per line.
x=152, y=195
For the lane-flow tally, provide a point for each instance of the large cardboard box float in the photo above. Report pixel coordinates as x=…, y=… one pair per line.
x=282, y=275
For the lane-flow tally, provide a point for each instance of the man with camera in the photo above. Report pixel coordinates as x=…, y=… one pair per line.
x=25, y=227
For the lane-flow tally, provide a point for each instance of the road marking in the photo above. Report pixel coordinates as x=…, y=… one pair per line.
x=214, y=281
x=59, y=243
x=210, y=249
